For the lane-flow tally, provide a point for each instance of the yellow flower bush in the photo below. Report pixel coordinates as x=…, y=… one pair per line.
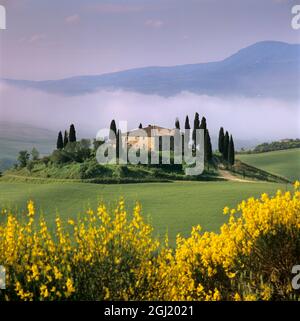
x=113, y=256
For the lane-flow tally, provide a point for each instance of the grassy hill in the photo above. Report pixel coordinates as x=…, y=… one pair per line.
x=16, y=137
x=173, y=207
x=284, y=162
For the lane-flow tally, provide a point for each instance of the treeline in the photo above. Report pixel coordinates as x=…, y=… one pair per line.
x=69, y=149
x=277, y=145
x=225, y=141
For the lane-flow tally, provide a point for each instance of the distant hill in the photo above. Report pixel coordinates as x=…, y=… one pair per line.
x=285, y=163
x=279, y=145
x=16, y=137
x=265, y=69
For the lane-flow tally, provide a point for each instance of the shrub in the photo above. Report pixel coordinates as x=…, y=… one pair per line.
x=113, y=256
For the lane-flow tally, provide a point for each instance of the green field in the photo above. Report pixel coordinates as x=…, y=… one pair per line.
x=173, y=207
x=284, y=162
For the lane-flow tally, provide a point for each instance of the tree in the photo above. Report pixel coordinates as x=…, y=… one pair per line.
x=30, y=166
x=226, y=146
x=187, y=123
x=203, y=124
x=207, y=147
x=60, y=143
x=35, y=154
x=231, y=152
x=119, y=150
x=23, y=158
x=177, y=123
x=196, y=126
x=113, y=129
x=221, y=140
x=72, y=134
x=66, y=139
x=140, y=126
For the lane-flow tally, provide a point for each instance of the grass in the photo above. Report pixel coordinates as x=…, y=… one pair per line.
x=284, y=162
x=173, y=207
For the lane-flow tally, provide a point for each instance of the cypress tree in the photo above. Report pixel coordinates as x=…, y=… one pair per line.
x=207, y=147
x=231, y=152
x=66, y=138
x=187, y=127
x=196, y=126
x=203, y=124
x=140, y=126
x=226, y=146
x=221, y=140
x=72, y=134
x=177, y=123
x=187, y=123
x=113, y=128
x=119, y=144
x=60, y=143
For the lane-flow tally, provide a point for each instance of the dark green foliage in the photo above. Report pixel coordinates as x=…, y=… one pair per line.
x=119, y=151
x=221, y=140
x=207, y=147
x=23, y=158
x=280, y=145
x=140, y=126
x=113, y=129
x=187, y=123
x=35, y=154
x=177, y=123
x=59, y=143
x=226, y=146
x=66, y=138
x=231, y=151
x=72, y=134
x=196, y=126
x=30, y=166
x=203, y=124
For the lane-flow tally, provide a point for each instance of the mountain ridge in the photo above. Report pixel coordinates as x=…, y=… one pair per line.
x=264, y=69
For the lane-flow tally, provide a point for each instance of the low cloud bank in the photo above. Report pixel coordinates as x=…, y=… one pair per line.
x=246, y=118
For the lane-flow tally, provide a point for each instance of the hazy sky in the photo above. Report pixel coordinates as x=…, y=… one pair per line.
x=49, y=39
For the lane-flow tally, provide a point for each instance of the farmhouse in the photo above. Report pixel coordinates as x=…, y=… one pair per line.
x=146, y=138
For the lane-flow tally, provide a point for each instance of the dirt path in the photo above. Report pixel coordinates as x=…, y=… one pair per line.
x=230, y=177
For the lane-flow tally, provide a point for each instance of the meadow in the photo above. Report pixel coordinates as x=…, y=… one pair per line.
x=284, y=162
x=170, y=207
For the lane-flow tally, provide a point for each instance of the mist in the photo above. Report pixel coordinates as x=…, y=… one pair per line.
x=246, y=118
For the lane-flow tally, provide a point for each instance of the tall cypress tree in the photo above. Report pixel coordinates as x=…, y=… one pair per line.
x=177, y=123
x=226, y=146
x=119, y=151
x=196, y=126
x=72, y=134
x=60, y=143
x=187, y=123
x=203, y=124
x=187, y=127
x=207, y=147
x=113, y=128
x=231, y=151
x=66, y=139
x=221, y=140
x=140, y=126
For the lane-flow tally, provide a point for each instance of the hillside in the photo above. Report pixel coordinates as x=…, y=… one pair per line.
x=284, y=162
x=265, y=69
x=172, y=207
x=15, y=137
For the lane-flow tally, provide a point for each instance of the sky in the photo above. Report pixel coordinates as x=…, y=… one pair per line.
x=53, y=39
x=62, y=38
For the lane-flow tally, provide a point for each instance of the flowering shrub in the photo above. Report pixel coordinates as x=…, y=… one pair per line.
x=106, y=256
x=97, y=258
